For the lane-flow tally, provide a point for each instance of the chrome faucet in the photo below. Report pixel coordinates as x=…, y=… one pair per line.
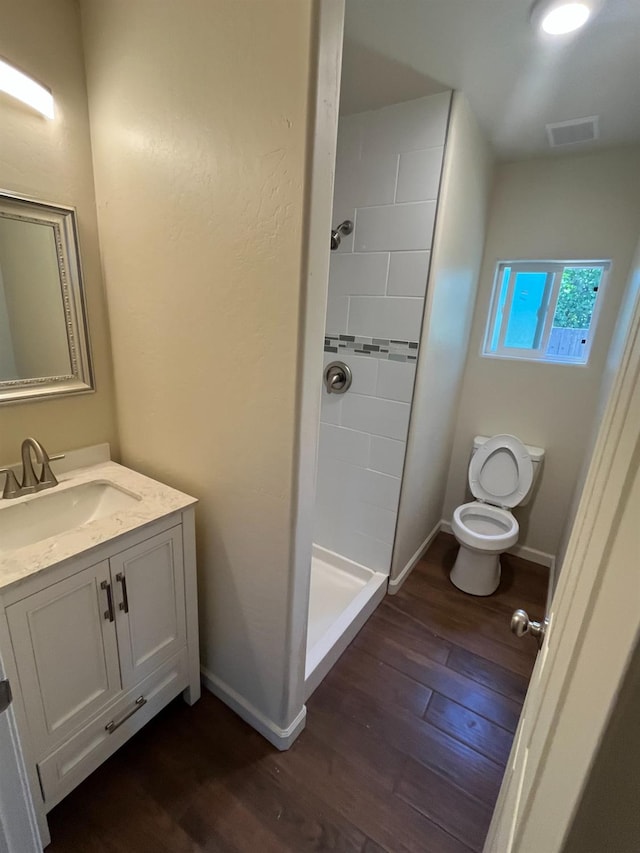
x=30, y=482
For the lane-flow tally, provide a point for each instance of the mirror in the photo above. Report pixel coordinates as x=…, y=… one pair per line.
x=44, y=341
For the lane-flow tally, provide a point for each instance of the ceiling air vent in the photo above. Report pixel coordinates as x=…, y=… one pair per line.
x=572, y=132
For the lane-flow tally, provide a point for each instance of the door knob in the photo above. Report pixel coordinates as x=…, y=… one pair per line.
x=521, y=625
x=337, y=377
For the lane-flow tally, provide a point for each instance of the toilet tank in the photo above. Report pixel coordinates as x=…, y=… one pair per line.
x=536, y=454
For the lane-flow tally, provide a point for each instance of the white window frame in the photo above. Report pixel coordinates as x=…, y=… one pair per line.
x=554, y=270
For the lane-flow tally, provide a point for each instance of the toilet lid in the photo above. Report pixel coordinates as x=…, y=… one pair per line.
x=501, y=471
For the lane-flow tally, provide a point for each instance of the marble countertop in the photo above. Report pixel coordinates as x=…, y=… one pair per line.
x=156, y=501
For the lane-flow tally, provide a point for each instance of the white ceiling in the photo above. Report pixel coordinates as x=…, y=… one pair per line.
x=515, y=80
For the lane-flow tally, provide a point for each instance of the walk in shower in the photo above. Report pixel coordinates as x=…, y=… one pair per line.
x=388, y=169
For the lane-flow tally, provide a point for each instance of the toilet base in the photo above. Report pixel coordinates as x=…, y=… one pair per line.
x=476, y=573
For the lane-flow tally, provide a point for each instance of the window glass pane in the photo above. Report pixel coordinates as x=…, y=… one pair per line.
x=500, y=309
x=574, y=311
x=526, y=318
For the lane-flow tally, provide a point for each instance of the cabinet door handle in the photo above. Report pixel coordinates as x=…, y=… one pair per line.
x=124, y=604
x=108, y=613
x=112, y=725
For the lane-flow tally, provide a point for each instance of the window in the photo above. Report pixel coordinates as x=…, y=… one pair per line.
x=545, y=310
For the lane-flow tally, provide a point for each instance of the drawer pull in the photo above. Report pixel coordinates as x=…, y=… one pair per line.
x=108, y=613
x=124, y=604
x=112, y=725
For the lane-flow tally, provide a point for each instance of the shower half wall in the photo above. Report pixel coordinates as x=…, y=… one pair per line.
x=388, y=170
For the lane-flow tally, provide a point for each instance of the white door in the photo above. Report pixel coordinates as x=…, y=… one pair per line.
x=64, y=640
x=18, y=829
x=594, y=623
x=148, y=581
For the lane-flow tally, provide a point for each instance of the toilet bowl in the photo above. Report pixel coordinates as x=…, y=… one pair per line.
x=501, y=474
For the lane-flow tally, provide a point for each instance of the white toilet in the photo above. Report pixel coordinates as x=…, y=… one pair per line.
x=502, y=473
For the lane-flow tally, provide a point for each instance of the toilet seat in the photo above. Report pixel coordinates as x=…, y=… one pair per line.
x=484, y=527
x=501, y=472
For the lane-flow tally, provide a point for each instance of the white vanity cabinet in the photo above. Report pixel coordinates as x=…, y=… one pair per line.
x=98, y=645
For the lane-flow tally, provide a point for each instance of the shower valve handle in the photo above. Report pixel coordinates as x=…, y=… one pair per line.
x=337, y=377
x=335, y=382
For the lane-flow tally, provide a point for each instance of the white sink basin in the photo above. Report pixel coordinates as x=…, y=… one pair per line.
x=54, y=512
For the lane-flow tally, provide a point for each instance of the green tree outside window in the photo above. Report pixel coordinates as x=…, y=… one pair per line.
x=577, y=297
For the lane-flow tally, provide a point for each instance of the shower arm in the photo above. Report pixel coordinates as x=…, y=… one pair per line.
x=343, y=229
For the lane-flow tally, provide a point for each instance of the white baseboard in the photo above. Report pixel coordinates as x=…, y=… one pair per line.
x=281, y=738
x=396, y=583
x=532, y=554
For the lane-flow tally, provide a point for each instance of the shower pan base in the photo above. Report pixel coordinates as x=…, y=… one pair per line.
x=342, y=597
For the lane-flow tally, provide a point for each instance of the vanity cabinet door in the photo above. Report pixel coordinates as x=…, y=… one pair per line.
x=66, y=650
x=148, y=580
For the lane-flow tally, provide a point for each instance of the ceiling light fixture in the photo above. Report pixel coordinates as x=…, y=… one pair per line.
x=26, y=89
x=558, y=17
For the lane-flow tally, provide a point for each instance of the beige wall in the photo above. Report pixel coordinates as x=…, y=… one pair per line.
x=584, y=206
x=200, y=118
x=451, y=290
x=51, y=160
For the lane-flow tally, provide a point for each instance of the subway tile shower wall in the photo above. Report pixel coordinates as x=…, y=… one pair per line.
x=388, y=169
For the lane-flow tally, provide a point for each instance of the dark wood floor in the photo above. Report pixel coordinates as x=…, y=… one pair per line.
x=404, y=749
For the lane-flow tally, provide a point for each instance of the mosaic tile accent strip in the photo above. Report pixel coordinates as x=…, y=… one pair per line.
x=388, y=349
